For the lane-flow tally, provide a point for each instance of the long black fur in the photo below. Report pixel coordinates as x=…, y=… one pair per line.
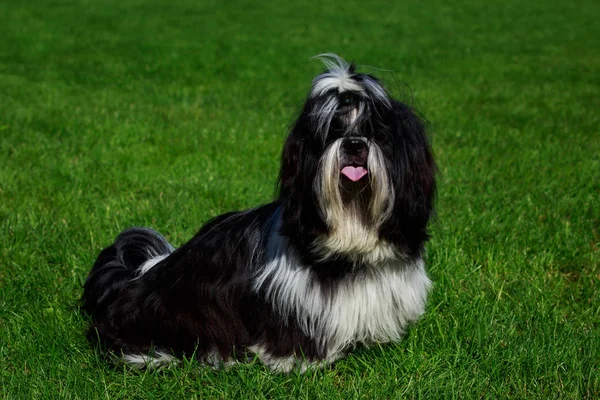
x=195, y=301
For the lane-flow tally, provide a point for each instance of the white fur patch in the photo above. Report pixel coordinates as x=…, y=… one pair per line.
x=375, y=90
x=337, y=76
x=156, y=360
x=286, y=364
x=323, y=115
x=159, y=360
x=371, y=307
x=145, y=267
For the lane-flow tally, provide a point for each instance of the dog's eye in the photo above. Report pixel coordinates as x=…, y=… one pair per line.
x=346, y=99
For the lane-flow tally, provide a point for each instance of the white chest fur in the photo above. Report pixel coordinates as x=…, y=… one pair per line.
x=367, y=308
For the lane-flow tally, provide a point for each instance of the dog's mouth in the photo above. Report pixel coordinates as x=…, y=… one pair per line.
x=354, y=172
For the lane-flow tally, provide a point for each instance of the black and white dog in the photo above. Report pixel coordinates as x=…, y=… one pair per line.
x=335, y=261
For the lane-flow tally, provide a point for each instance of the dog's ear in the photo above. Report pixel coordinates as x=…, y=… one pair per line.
x=299, y=164
x=291, y=162
x=413, y=173
x=300, y=157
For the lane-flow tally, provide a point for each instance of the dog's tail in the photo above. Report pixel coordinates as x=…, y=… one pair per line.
x=133, y=253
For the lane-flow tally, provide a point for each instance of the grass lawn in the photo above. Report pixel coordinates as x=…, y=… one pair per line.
x=165, y=113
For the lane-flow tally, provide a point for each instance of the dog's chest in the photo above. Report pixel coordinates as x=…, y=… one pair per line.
x=361, y=308
x=372, y=309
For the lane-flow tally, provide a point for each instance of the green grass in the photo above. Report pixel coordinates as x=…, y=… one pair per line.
x=130, y=112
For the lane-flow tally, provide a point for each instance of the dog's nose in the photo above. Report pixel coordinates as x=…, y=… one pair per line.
x=354, y=146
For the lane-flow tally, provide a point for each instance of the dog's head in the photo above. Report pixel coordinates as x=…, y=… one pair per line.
x=357, y=174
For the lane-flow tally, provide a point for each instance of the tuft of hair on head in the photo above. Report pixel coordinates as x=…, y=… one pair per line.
x=338, y=76
x=342, y=76
x=333, y=62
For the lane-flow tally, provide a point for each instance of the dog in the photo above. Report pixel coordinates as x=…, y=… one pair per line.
x=334, y=262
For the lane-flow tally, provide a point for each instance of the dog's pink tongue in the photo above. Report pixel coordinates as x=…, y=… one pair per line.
x=354, y=173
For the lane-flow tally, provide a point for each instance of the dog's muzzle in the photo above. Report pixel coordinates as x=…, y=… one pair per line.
x=354, y=158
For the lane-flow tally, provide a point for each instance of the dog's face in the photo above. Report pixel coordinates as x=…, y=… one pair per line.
x=357, y=173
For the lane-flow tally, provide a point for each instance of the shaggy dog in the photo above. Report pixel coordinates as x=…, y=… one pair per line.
x=335, y=261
